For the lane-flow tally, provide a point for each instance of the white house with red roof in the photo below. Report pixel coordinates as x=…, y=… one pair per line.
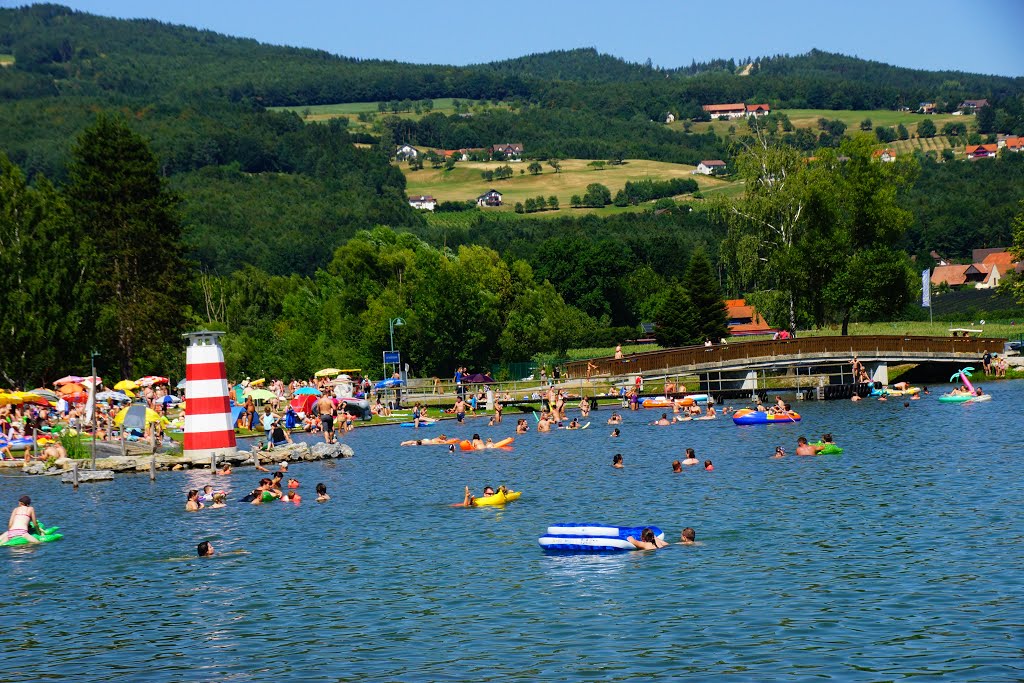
x=975, y=152
x=711, y=167
x=425, y=202
x=886, y=155
x=737, y=110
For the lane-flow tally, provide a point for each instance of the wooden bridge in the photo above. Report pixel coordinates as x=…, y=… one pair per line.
x=736, y=361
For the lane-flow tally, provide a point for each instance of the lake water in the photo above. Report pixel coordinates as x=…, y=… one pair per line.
x=900, y=558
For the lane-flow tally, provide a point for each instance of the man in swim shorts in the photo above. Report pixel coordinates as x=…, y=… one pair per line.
x=326, y=407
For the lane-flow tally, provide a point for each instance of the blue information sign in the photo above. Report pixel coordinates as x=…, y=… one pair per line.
x=392, y=357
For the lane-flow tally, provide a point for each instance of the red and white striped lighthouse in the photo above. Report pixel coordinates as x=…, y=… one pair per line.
x=208, y=428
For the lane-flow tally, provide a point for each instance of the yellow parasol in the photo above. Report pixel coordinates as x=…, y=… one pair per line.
x=259, y=394
x=257, y=382
x=125, y=385
x=326, y=372
x=151, y=416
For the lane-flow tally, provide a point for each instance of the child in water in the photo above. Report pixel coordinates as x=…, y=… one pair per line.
x=321, y=493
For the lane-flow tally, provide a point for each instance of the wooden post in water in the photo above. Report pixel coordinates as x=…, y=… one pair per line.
x=152, y=467
x=152, y=440
x=74, y=474
x=213, y=462
x=123, y=446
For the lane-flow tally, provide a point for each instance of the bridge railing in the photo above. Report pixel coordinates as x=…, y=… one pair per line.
x=892, y=346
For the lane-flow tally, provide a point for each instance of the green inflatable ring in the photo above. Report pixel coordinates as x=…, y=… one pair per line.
x=829, y=449
x=46, y=536
x=267, y=497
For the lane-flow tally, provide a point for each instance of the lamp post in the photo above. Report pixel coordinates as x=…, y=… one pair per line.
x=92, y=363
x=392, y=324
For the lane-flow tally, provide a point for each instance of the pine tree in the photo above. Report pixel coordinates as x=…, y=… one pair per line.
x=128, y=217
x=678, y=323
x=706, y=295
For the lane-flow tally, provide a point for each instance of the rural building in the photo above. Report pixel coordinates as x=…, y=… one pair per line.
x=423, y=202
x=758, y=110
x=976, y=275
x=926, y=108
x=1011, y=142
x=743, y=319
x=512, y=151
x=670, y=117
x=403, y=152
x=973, y=104
x=1003, y=260
x=975, y=152
x=886, y=155
x=730, y=111
x=489, y=198
x=710, y=167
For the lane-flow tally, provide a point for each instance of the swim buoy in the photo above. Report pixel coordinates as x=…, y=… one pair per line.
x=504, y=442
x=466, y=445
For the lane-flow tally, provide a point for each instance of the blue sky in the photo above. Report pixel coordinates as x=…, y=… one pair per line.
x=937, y=34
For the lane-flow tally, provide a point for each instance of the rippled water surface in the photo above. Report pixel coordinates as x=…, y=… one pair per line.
x=900, y=558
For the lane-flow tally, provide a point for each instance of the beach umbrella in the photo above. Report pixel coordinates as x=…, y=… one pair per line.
x=71, y=388
x=69, y=379
x=9, y=399
x=150, y=415
x=307, y=391
x=181, y=384
x=46, y=393
x=125, y=384
x=30, y=397
x=389, y=383
x=116, y=396
x=87, y=381
x=150, y=380
x=479, y=379
x=259, y=394
x=258, y=382
x=167, y=400
x=303, y=404
x=76, y=397
x=327, y=372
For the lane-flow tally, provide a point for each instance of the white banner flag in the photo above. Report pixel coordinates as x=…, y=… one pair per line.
x=926, y=288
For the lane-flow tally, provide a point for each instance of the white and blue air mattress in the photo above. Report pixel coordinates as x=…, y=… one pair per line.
x=592, y=538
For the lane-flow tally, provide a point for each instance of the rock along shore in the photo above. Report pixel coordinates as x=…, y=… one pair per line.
x=297, y=452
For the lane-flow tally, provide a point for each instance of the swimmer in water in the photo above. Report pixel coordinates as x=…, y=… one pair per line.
x=804, y=448
x=688, y=536
x=615, y=419
x=677, y=466
x=321, y=493
x=648, y=541
x=192, y=501
x=780, y=452
x=663, y=422
x=691, y=457
x=22, y=521
x=220, y=500
x=575, y=424
x=708, y=467
x=225, y=468
x=204, y=549
x=469, y=499
x=615, y=432
x=617, y=461
x=522, y=427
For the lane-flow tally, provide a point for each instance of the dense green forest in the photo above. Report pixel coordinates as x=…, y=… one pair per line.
x=302, y=245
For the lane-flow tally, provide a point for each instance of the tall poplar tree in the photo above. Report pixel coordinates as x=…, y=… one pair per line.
x=41, y=277
x=128, y=218
x=678, y=322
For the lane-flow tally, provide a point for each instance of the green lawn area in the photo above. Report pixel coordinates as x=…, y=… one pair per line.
x=464, y=182
x=808, y=118
x=323, y=112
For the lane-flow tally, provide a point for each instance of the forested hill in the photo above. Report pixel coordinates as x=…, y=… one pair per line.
x=59, y=51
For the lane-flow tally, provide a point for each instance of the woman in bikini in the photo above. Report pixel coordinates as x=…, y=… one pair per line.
x=23, y=519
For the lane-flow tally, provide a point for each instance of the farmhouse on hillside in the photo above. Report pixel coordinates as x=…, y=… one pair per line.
x=886, y=155
x=423, y=202
x=758, y=110
x=976, y=275
x=1011, y=142
x=926, y=108
x=404, y=152
x=730, y=111
x=973, y=105
x=975, y=152
x=489, y=198
x=511, y=151
x=710, y=167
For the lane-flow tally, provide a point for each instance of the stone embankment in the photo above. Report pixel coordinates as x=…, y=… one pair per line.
x=297, y=452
